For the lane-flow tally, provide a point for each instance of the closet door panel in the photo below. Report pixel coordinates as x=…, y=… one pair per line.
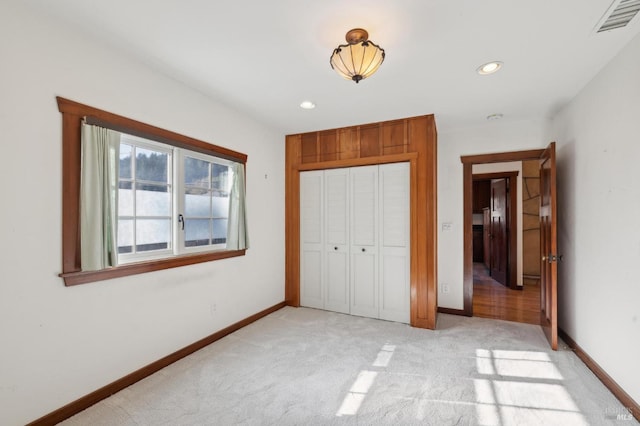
x=394, y=242
x=364, y=241
x=311, y=280
x=364, y=200
x=336, y=213
x=394, y=205
x=337, y=284
x=394, y=295
x=363, y=290
x=311, y=240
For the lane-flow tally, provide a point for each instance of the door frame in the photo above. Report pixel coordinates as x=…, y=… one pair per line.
x=467, y=178
x=512, y=265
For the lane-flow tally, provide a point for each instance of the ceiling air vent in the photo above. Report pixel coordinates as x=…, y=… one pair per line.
x=619, y=15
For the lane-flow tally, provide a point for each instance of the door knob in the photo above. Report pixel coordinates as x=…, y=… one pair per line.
x=554, y=258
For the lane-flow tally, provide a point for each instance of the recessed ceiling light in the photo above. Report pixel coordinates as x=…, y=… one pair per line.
x=494, y=117
x=489, y=68
x=307, y=105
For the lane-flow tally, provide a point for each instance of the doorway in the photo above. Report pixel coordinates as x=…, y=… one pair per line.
x=499, y=195
x=499, y=290
x=546, y=162
x=495, y=225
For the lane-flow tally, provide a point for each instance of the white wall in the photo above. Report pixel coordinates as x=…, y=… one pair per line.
x=495, y=136
x=598, y=136
x=58, y=343
x=512, y=166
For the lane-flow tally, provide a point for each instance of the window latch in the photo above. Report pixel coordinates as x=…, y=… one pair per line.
x=181, y=221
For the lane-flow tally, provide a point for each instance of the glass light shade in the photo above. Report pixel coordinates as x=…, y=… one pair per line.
x=357, y=61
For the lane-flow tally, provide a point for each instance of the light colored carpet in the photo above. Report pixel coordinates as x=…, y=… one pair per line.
x=311, y=367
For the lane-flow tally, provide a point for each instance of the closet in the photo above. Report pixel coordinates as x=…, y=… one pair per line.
x=355, y=240
x=412, y=141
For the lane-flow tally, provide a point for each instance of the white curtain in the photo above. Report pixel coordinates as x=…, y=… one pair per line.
x=98, y=197
x=237, y=233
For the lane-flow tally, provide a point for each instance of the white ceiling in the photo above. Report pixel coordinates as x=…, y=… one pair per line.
x=265, y=57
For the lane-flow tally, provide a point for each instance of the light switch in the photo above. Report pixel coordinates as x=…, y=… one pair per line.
x=447, y=226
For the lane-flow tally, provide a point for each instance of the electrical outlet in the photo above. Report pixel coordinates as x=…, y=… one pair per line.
x=213, y=308
x=447, y=226
x=444, y=288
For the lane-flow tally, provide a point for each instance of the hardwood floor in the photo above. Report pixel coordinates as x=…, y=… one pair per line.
x=493, y=300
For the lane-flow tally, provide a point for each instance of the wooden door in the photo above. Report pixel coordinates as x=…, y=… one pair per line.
x=311, y=240
x=499, y=231
x=364, y=241
x=336, y=225
x=486, y=236
x=394, y=292
x=481, y=195
x=549, y=246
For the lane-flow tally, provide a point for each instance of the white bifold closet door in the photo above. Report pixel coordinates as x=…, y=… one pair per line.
x=355, y=241
x=364, y=241
x=395, y=243
x=336, y=215
x=311, y=239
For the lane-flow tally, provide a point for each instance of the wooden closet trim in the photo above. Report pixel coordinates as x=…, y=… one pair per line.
x=371, y=161
x=412, y=140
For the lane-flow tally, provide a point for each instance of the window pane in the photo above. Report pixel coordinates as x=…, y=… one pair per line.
x=125, y=161
x=152, y=200
x=125, y=235
x=220, y=206
x=219, y=231
x=197, y=202
x=153, y=234
x=125, y=199
x=151, y=165
x=196, y=172
x=196, y=232
x=220, y=177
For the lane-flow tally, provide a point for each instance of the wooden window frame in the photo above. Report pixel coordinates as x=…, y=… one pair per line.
x=72, y=115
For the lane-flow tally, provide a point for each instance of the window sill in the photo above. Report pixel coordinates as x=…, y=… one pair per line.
x=84, y=277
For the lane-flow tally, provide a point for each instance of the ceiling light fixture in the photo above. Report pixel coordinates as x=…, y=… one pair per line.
x=357, y=59
x=489, y=68
x=307, y=105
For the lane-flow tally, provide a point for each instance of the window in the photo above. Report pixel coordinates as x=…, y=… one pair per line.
x=176, y=198
x=205, y=201
x=144, y=200
x=170, y=200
